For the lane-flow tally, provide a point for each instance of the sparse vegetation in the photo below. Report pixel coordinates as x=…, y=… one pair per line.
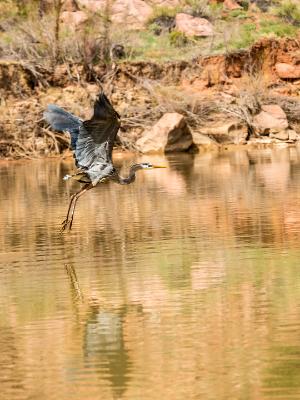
x=242, y=36
x=163, y=12
x=245, y=38
x=198, y=8
x=289, y=10
x=146, y=45
x=30, y=39
x=277, y=28
x=45, y=42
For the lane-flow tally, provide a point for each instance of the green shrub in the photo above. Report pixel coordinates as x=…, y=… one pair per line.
x=178, y=39
x=244, y=4
x=239, y=13
x=249, y=28
x=243, y=42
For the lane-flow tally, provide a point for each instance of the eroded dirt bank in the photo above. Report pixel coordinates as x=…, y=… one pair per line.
x=224, y=99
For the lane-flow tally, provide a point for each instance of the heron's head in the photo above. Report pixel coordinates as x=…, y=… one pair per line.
x=147, y=165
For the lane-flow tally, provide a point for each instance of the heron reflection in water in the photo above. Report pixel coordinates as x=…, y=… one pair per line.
x=105, y=349
x=92, y=142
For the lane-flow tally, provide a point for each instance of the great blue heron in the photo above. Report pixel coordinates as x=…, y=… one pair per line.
x=92, y=142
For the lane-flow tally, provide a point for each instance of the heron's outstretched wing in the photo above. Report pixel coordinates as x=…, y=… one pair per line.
x=62, y=121
x=96, y=136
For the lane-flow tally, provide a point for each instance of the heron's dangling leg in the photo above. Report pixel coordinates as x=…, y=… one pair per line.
x=68, y=221
x=84, y=189
x=70, y=204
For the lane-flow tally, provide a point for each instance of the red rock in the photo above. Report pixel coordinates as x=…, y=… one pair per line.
x=231, y=5
x=287, y=71
x=170, y=133
x=74, y=19
x=272, y=117
x=193, y=26
x=133, y=13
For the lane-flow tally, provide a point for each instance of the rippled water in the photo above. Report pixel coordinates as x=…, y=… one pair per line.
x=183, y=285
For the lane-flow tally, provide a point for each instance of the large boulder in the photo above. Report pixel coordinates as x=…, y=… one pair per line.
x=222, y=129
x=170, y=133
x=271, y=119
x=193, y=26
x=287, y=71
x=133, y=13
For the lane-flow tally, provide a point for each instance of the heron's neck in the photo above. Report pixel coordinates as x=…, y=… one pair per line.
x=131, y=177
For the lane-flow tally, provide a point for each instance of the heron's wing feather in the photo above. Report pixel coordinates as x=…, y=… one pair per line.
x=97, y=135
x=62, y=121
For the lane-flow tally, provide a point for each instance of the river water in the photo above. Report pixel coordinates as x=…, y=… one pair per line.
x=183, y=285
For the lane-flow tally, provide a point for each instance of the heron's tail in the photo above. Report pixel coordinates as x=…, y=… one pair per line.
x=62, y=121
x=79, y=176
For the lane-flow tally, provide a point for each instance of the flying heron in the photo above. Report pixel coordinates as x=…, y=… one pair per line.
x=92, y=142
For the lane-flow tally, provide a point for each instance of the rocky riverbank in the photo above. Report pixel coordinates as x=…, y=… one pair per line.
x=238, y=98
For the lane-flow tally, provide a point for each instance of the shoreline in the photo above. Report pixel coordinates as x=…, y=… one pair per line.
x=212, y=100
x=120, y=154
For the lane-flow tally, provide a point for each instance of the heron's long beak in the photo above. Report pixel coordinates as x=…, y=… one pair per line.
x=159, y=166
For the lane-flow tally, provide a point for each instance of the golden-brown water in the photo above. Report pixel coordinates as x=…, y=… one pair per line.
x=183, y=285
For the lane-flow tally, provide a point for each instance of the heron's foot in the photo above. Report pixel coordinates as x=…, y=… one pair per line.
x=66, y=224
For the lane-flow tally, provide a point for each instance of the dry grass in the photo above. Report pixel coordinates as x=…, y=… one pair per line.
x=252, y=90
x=42, y=43
x=24, y=133
x=253, y=93
x=164, y=99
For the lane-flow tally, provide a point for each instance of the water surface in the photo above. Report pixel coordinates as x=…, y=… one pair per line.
x=183, y=285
